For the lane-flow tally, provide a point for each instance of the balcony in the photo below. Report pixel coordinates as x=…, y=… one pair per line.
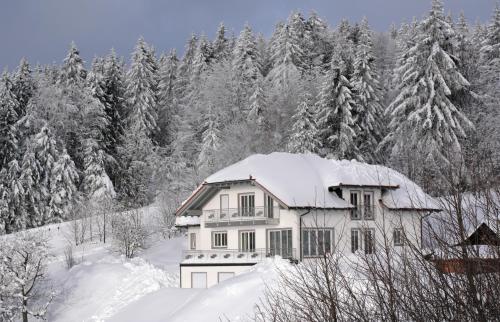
x=241, y=216
x=366, y=212
x=235, y=255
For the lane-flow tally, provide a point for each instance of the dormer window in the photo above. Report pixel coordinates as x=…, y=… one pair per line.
x=368, y=205
x=363, y=205
x=356, y=211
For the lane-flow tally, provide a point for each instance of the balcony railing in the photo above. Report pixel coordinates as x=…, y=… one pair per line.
x=265, y=215
x=236, y=255
x=366, y=212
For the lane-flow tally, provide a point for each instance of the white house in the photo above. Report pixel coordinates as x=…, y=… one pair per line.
x=297, y=206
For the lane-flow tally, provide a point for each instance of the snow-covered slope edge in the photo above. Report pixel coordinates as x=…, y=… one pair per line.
x=233, y=299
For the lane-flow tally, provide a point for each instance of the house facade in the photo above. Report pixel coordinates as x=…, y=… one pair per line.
x=295, y=206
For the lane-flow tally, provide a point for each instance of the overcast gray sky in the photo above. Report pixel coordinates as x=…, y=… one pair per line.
x=41, y=30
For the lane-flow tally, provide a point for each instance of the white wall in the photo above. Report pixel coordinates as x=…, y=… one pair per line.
x=212, y=273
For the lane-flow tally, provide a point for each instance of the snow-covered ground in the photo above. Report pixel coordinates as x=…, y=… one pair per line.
x=105, y=286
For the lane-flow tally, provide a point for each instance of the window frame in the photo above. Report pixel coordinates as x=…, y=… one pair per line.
x=357, y=208
x=372, y=205
x=359, y=241
x=317, y=248
x=240, y=248
x=369, y=251
x=192, y=241
x=401, y=241
x=251, y=212
x=214, y=239
x=268, y=205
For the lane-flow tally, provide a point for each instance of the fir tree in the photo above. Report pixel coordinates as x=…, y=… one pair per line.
x=141, y=89
x=63, y=187
x=305, y=135
x=246, y=63
x=424, y=118
x=72, y=72
x=8, y=118
x=211, y=141
x=367, y=95
x=287, y=56
x=15, y=217
x=220, y=45
x=23, y=86
x=31, y=178
x=317, y=42
x=335, y=120
x=46, y=153
x=167, y=97
x=258, y=104
x=96, y=183
x=490, y=57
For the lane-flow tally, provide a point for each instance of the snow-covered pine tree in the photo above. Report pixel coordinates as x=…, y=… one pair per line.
x=425, y=120
x=202, y=60
x=246, y=62
x=142, y=81
x=96, y=183
x=72, y=72
x=15, y=216
x=114, y=89
x=9, y=106
x=31, y=178
x=167, y=101
x=286, y=55
x=334, y=112
x=63, y=187
x=220, y=45
x=258, y=103
x=304, y=136
x=318, y=44
x=23, y=86
x=138, y=161
x=46, y=155
x=211, y=141
x=367, y=95
x=490, y=58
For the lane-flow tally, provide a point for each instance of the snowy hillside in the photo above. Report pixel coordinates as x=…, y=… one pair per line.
x=105, y=286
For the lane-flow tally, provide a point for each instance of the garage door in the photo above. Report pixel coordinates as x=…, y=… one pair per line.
x=222, y=276
x=198, y=280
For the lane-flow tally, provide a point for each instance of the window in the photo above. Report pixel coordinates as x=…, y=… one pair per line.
x=224, y=206
x=317, y=242
x=219, y=239
x=369, y=241
x=397, y=237
x=247, y=204
x=368, y=205
x=355, y=212
x=269, y=206
x=247, y=241
x=355, y=240
x=222, y=276
x=280, y=243
x=199, y=280
x=192, y=240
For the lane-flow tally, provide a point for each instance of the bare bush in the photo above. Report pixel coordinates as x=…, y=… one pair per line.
x=129, y=233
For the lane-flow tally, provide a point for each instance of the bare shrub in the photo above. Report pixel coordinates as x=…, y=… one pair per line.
x=129, y=233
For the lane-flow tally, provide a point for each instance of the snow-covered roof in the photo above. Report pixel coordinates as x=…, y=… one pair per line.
x=476, y=209
x=303, y=180
x=185, y=221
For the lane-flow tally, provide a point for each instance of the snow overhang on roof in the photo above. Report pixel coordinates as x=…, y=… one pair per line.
x=305, y=181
